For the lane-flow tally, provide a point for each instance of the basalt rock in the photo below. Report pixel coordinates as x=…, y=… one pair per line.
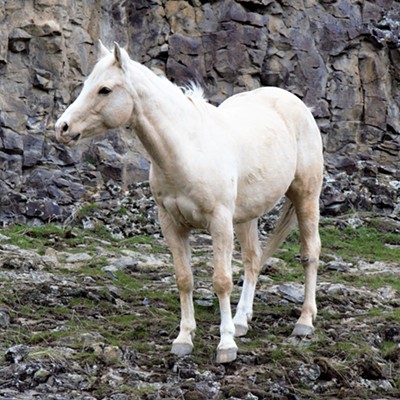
x=341, y=57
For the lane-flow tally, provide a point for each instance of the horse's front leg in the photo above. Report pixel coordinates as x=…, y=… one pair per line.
x=177, y=238
x=221, y=230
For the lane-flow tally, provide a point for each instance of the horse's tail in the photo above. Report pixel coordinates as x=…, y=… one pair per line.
x=284, y=226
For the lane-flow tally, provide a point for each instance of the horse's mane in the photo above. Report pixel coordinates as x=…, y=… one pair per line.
x=192, y=90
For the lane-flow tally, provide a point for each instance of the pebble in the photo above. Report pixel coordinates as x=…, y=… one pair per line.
x=125, y=263
x=78, y=257
x=379, y=267
x=119, y=396
x=204, y=303
x=204, y=297
x=9, y=247
x=88, y=280
x=306, y=373
x=17, y=353
x=292, y=292
x=4, y=318
x=337, y=265
x=110, y=271
x=336, y=288
x=41, y=375
x=112, y=355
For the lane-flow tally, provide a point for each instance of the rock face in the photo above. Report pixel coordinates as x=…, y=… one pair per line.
x=341, y=57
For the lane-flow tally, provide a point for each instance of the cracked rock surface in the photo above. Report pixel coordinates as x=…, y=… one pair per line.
x=341, y=57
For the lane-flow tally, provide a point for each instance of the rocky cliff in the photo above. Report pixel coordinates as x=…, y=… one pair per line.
x=340, y=56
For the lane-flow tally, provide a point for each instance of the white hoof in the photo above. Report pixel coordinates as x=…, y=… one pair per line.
x=181, y=349
x=226, y=355
x=302, y=330
x=241, y=330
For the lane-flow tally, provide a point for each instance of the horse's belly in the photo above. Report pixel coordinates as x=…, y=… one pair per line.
x=247, y=210
x=256, y=199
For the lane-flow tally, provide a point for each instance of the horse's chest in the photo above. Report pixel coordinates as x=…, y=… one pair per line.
x=185, y=211
x=189, y=201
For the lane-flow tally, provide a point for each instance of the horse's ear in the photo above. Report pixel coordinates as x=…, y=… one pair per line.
x=102, y=50
x=121, y=57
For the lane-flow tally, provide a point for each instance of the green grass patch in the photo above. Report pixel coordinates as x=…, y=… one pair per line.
x=388, y=348
x=40, y=238
x=128, y=282
x=370, y=243
x=146, y=244
x=46, y=337
x=392, y=314
x=372, y=281
x=88, y=209
x=96, y=263
x=31, y=237
x=365, y=242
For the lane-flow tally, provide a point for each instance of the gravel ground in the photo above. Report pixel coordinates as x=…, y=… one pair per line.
x=86, y=316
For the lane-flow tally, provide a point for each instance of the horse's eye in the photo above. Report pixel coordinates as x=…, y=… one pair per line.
x=104, y=90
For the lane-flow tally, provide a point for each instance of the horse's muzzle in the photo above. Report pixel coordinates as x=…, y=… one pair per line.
x=64, y=136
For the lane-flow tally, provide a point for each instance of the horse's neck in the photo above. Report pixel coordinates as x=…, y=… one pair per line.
x=162, y=120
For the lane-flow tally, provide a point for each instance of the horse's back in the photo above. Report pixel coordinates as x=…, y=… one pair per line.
x=279, y=114
x=267, y=101
x=269, y=93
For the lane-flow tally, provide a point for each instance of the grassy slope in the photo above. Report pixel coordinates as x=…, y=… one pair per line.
x=136, y=316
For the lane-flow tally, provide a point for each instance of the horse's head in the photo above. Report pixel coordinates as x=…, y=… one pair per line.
x=104, y=102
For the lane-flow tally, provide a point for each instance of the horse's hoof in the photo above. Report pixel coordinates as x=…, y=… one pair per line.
x=226, y=355
x=181, y=349
x=302, y=330
x=241, y=330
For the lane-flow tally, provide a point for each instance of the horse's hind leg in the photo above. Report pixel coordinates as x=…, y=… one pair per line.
x=177, y=238
x=306, y=204
x=247, y=234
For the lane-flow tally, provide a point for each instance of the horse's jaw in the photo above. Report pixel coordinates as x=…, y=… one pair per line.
x=72, y=141
x=69, y=140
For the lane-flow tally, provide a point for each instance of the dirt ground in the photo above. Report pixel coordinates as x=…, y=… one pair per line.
x=83, y=316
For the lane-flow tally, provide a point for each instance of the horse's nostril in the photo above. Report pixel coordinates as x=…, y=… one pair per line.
x=64, y=127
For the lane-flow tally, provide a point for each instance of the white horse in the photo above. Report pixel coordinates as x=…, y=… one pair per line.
x=215, y=168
